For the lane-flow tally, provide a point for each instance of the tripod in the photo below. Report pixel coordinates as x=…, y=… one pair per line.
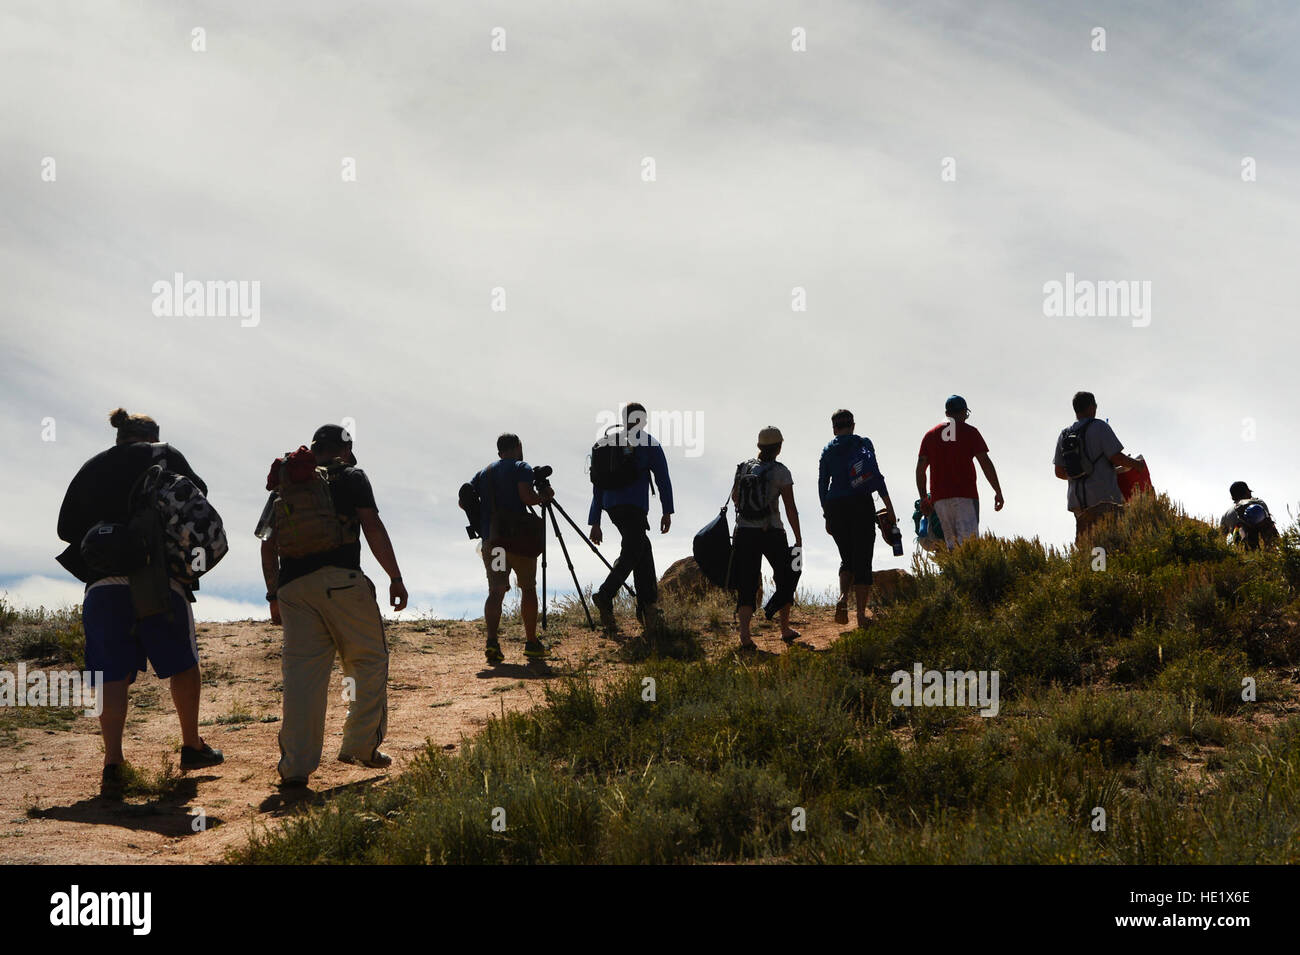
x=549, y=508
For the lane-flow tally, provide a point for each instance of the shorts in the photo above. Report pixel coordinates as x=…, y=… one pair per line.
x=525, y=569
x=853, y=525
x=118, y=648
x=959, y=517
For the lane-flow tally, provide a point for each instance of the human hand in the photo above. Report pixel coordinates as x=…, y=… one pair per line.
x=997, y=501
x=275, y=612
x=665, y=522
x=397, y=594
x=595, y=535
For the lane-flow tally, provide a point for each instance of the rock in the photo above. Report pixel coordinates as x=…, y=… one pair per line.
x=890, y=585
x=683, y=580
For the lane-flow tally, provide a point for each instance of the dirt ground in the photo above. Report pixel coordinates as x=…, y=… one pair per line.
x=440, y=690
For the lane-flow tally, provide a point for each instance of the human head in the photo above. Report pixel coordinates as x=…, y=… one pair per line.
x=332, y=442
x=769, y=443
x=509, y=446
x=634, y=416
x=1239, y=490
x=1085, y=405
x=133, y=428
x=955, y=407
x=842, y=421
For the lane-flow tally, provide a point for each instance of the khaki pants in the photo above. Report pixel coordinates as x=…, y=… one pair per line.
x=331, y=610
x=1089, y=517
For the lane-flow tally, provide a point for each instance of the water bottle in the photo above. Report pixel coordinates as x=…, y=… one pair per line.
x=263, y=530
x=896, y=538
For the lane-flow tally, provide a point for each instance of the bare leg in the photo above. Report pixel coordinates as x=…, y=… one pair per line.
x=528, y=610
x=784, y=617
x=744, y=614
x=185, y=694
x=492, y=614
x=112, y=720
x=861, y=594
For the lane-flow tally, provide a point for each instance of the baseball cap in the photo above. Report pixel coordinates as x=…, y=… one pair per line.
x=1239, y=490
x=334, y=435
x=955, y=404
x=769, y=436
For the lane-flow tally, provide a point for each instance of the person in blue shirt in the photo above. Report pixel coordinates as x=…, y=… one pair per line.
x=629, y=508
x=847, y=475
x=507, y=485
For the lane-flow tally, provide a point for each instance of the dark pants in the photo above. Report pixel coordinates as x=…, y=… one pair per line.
x=634, y=557
x=853, y=525
x=750, y=546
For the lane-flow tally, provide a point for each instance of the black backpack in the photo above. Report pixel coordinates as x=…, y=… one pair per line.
x=613, y=462
x=1074, y=458
x=753, y=489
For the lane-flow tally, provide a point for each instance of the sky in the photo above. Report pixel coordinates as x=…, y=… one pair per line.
x=921, y=172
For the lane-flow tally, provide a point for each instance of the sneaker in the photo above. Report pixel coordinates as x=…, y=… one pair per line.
x=199, y=758
x=842, y=612
x=294, y=782
x=493, y=653
x=377, y=760
x=605, y=607
x=113, y=782
x=533, y=650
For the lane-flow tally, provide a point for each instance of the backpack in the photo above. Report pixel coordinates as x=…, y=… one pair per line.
x=1074, y=458
x=860, y=470
x=192, y=535
x=753, y=489
x=304, y=518
x=1255, y=523
x=613, y=462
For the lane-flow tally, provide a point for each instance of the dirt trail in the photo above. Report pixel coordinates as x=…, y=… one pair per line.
x=439, y=690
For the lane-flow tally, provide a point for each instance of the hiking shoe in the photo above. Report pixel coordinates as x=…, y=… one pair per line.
x=533, y=650
x=790, y=637
x=842, y=612
x=113, y=782
x=605, y=607
x=294, y=782
x=493, y=653
x=199, y=758
x=377, y=760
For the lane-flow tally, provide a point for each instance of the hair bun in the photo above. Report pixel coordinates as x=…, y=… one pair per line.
x=118, y=418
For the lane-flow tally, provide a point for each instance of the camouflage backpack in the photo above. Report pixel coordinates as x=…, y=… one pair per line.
x=193, y=536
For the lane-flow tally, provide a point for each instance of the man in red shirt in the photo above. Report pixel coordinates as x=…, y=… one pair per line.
x=950, y=450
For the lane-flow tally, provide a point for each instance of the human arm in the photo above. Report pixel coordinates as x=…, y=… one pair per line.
x=659, y=468
x=381, y=545
x=986, y=465
x=271, y=575
x=922, y=463
x=792, y=512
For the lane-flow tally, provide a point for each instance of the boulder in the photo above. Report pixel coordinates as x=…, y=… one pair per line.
x=683, y=580
x=890, y=585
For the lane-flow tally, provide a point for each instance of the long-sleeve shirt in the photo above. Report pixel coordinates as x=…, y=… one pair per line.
x=650, y=459
x=833, y=479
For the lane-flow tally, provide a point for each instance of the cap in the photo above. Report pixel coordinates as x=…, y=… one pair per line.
x=955, y=405
x=1239, y=490
x=334, y=435
x=769, y=436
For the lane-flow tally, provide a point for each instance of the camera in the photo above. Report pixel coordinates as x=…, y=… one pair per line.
x=541, y=477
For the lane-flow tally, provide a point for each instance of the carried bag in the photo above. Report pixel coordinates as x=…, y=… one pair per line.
x=713, y=550
x=1074, y=459
x=1255, y=523
x=304, y=517
x=613, y=462
x=861, y=472
x=192, y=532
x=521, y=533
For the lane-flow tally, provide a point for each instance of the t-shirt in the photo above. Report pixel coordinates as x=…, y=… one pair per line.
x=350, y=489
x=952, y=461
x=502, y=493
x=1232, y=520
x=1099, y=443
x=777, y=478
x=101, y=491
